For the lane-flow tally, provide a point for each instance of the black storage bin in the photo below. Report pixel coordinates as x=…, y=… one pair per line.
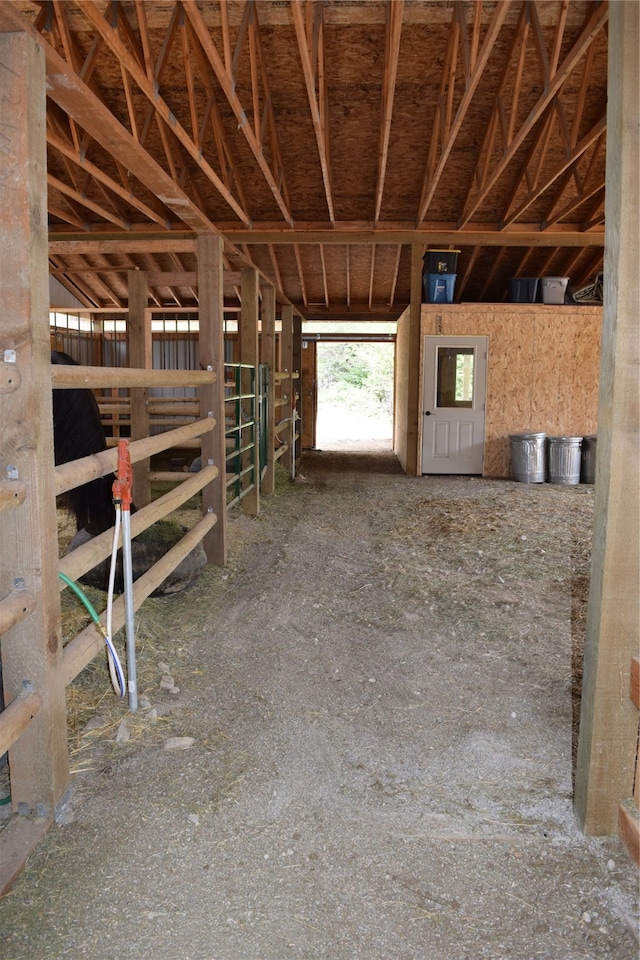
x=440, y=261
x=523, y=289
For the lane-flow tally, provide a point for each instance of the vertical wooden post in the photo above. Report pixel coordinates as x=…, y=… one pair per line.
x=608, y=719
x=140, y=357
x=249, y=354
x=286, y=366
x=267, y=356
x=31, y=650
x=414, y=417
x=211, y=316
x=309, y=395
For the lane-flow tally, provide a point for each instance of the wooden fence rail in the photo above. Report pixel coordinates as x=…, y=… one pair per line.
x=70, y=475
x=16, y=717
x=82, y=649
x=13, y=608
x=76, y=563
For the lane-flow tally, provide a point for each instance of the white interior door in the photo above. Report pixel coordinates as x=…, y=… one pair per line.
x=454, y=389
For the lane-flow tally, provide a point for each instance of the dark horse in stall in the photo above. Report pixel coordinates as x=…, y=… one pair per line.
x=78, y=432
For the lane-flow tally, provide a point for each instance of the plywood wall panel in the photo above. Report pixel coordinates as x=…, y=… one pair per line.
x=542, y=373
x=400, y=408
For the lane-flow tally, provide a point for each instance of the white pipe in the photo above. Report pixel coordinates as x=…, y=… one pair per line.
x=115, y=669
x=128, y=610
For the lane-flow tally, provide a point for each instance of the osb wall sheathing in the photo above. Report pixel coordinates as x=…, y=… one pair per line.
x=401, y=395
x=543, y=368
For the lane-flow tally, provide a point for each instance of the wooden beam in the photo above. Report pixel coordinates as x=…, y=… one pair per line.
x=608, y=718
x=303, y=288
x=32, y=648
x=77, y=376
x=394, y=279
x=487, y=235
x=595, y=134
x=228, y=87
x=268, y=356
x=372, y=270
x=16, y=717
x=318, y=117
x=140, y=358
x=596, y=21
x=66, y=88
x=476, y=69
x=414, y=419
x=392, y=53
x=166, y=116
x=73, y=194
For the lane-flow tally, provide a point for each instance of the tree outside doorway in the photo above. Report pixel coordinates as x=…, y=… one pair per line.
x=355, y=393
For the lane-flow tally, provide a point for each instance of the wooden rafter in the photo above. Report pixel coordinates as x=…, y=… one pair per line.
x=596, y=215
x=444, y=140
x=372, y=270
x=589, y=270
x=521, y=266
x=211, y=117
x=471, y=265
x=588, y=191
x=348, y=274
x=316, y=101
x=497, y=260
x=228, y=86
x=550, y=256
x=165, y=116
x=596, y=20
x=274, y=264
x=266, y=123
x=188, y=73
x=392, y=53
x=394, y=275
x=324, y=277
x=71, y=153
x=570, y=161
x=303, y=288
x=68, y=214
x=67, y=90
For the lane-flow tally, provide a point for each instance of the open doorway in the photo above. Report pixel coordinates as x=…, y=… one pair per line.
x=354, y=394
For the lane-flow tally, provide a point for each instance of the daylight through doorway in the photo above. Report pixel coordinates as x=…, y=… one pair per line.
x=355, y=394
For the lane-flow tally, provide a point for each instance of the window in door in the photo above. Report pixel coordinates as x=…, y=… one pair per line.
x=455, y=376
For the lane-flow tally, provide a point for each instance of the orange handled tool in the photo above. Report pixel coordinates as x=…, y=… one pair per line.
x=124, y=477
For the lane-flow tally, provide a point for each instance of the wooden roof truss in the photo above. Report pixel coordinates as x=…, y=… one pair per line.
x=170, y=119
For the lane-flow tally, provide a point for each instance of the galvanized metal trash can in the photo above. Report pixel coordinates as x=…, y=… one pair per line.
x=528, y=457
x=564, y=454
x=588, y=459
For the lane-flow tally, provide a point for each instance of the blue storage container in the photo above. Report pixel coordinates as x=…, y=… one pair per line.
x=439, y=287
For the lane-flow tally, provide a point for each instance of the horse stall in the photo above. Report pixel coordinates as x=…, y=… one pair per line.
x=36, y=667
x=167, y=428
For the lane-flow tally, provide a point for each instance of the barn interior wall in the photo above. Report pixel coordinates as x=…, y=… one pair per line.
x=543, y=368
x=401, y=393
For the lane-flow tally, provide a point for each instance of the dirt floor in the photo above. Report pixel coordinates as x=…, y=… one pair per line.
x=355, y=741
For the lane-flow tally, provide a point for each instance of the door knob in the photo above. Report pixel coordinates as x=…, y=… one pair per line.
x=427, y=413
